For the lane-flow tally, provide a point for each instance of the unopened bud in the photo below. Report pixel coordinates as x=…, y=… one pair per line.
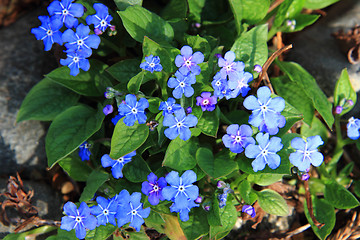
x=112, y=28
x=305, y=177
x=108, y=109
x=207, y=208
x=98, y=31
x=257, y=68
x=189, y=110
x=218, y=55
x=221, y=184
x=338, y=109
x=350, y=102
x=249, y=210
x=198, y=199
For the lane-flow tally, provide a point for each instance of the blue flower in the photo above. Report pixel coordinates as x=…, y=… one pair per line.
x=84, y=151
x=81, y=40
x=306, y=152
x=188, y=62
x=153, y=188
x=116, y=165
x=237, y=138
x=78, y=219
x=101, y=19
x=184, y=212
x=249, y=210
x=179, y=125
x=353, y=127
x=131, y=210
x=181, y=190
x=151, y=64
x=265, y=111
x=220, y=86
x=48, y=32
x=133, y=110
x=182, y=84
x=115, y=119
x=66, y=12
x=229, y=67
x=105, y=211
x=265, y=152
x=240, y=83
x=169, y=107
x=108, y=109
x=206, y=101
x=75, y=61
x=222, y=199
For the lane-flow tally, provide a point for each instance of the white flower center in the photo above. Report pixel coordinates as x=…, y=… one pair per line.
x=134, y=212
x=264, y=152
x=181, y=188
x=169, y=108
x=238, y=138
x=103, y=23
x=152, y=64
x=106, y=212
x=263, y=108
x=78, y=219
x=156, y=188
x=120, y=160
x=76, y=59
x=205, y=102
x=188, y=63
x=65, y=12
x=49, y=32
x=218, y=83
x=80, y=42
x=182, y=84
x=307, y=153
x=179, y=124
x=228, y=67
x=134, y=110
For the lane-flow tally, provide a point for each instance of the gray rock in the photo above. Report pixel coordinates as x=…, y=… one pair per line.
x=47, y=201
x=23, y=63
x=319, y=53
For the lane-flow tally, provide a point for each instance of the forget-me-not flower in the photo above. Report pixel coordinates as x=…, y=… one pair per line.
x=183, y=212
x=66, y=11
x=48, y=32
x=133, y=110
x=219, y=84
x=265, y=111
x=188, y=62
x=179, y=125
x=206, y=101
x=182, y=84
x=108, y=109
x=306, y=152
x=76, y=61
x=153, y=188
x=81, y=40
x=239, y=85
x=105, y=211
x=181, y=190
x=249, y=210
x=78, y=219
x=237, y=138
x=265, y=152
x=117, y=164
x=131, y=210
x=169, y=106
x=101, y=19
x=353, y=127
x=84, y=151
x=151, y=64
x=229, y=67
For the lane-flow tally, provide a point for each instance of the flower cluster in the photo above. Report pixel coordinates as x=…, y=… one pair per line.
x=225, y=187
x=231, y=80
x=78, y=43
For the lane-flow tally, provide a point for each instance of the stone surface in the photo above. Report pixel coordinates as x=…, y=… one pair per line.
x=47, y=201
x=22, y=64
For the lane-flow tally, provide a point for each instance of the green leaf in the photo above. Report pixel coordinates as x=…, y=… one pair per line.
x=136, y=81
x=272, y=203
x=288, y=10
x=137, y=170
x=95, y=181
x=228, y=216
x=77, y=169
x=126, y=139
x=138, y=235
x=251, y=47
x=195, y=9
x=101, y=232
x=198, y=43
x=344, y=90
x=180, y=155
x=209, y=122
x=166, y=54
x=213, y=215
x=175, y=9
x=69, y=130
x=124, y=70
x=123, y=4
x=249, y=11
x=154, y=104
x=308, y=84
x=302, y=21
x=357, y=187
x=318, y=4
x=340, y=197
x=246, y=192
x=45, y=101
x=324, y=213
x=219, y=166
x=90, y=83
x=30, y=234
x=140, y=22
x=265, y=179
x=237, y=9
x=292, y=115
x=316, y=128
x=294, y=95
x=197, y=225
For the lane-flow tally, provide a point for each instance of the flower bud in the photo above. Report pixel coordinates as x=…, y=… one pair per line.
x=198, y=200
x=207, y=208
x=188, y=110
x=108, y=109
x=98, y=31
x=350, y=102
x=257, y=68
x=221, y=184
x=249, y=210
x=338, y=109
x=305, y=177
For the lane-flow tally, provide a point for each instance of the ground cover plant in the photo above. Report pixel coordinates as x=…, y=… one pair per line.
x=168, y=112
